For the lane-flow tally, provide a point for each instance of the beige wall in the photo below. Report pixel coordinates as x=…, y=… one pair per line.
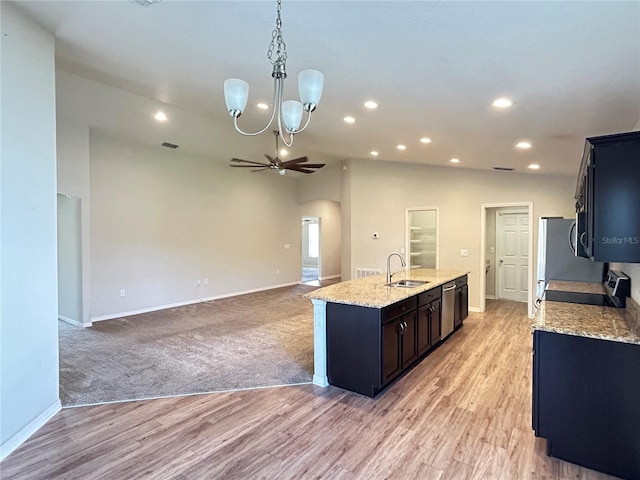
x=161, y=221
x=330, y=234
x=380, y=192
x=29, y=296
x=72, y=155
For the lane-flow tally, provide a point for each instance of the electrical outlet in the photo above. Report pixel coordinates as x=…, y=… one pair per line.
x=122, y=293
x=402, y=250
x=206, y=281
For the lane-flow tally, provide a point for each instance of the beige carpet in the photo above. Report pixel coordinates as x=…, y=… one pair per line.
x=257, y=340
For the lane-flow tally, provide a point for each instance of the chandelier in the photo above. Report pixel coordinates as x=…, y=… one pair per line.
x=288, y=113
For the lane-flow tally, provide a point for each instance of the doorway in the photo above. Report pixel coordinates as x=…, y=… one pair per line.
x=311, y=249
x=489, y=259
x=512, y=256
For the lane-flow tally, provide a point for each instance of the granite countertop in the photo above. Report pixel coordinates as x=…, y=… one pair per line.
x=576, y=287
x=372, y=292
x=605, y=323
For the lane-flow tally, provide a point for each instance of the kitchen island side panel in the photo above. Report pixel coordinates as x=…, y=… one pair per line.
x=353, y=347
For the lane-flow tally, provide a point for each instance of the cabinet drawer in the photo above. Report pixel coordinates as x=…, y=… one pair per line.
x=429, y=295
x=461, y=281
x=397, y=309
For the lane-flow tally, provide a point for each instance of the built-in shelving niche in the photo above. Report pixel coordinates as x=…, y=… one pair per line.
x=422, y=237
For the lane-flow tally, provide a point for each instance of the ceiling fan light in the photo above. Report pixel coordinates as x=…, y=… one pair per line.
x=292, y=115
x=310, y=85
x=236, y=93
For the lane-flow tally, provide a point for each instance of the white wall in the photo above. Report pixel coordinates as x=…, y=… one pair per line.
x=28, y=326
x=330, y=234
x=161, y=221
x=381, y=191
x=73, y=179
x=69, y=260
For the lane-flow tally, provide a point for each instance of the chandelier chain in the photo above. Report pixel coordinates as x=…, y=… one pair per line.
x=277, y=41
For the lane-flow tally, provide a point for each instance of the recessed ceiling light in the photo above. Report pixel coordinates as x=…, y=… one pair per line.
x=425, y=140
x=370, y=104
x=161, y=116
x=373, y=153
x=284, y=152
x=349, y=119
x=401, y=147
x=263, y=106
x=455, y=160
x=523, y=145
x=534, y=166
x=502, y=102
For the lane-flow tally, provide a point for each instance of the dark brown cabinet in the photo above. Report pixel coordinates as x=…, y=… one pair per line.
x=607, y=196
x=367, y=348
x=399, y=345
x=461, y=309
x=428, y=320
x=586, y=393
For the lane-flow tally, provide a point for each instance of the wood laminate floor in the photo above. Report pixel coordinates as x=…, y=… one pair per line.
x=463, y=413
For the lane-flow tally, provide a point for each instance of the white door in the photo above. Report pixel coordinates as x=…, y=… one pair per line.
x=512, y=235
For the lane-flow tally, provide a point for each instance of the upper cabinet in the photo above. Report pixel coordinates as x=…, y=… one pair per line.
x=608, y=199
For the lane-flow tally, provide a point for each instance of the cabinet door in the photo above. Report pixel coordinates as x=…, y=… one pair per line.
x=464, y=302
x=589, y=209
x=457, y=319
x=391, y=365
x=434, y=320
x=424, y=320
x=409, y=338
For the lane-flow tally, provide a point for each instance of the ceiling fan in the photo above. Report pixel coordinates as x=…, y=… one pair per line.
x=295, y=165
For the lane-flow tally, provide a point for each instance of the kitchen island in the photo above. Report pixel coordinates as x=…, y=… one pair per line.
x=586, y=384
x=367, y=333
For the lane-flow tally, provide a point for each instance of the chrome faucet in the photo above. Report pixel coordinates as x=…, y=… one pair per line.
x=404, y=264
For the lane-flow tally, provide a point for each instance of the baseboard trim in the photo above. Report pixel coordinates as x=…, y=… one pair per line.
x=330, y=277
x=23, y=435
x=72, y=322
x=490, y=297
x=188, y=302
x=474, y=309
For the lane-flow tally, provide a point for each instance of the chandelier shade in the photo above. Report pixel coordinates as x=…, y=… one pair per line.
x=236, y=93
x=310, y=85
x=292, y=115
x=287, y=114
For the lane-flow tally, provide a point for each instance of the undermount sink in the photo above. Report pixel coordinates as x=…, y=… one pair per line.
x=406, y=283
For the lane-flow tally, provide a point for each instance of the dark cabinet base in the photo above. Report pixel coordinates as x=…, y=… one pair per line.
x=586, y=398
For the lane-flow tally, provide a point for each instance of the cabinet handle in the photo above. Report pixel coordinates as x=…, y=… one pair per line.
x=405, y=325
x=582, y=235
x=401, y=329
x=449, y=289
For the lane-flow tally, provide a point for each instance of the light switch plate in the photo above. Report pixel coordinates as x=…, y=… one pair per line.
x=287, y=246
x=464, y=252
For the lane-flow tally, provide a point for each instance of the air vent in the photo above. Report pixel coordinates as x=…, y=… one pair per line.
x=169, y=145
x=503, y=169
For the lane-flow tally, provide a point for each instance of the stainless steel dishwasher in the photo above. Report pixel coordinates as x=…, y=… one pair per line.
x=448, y=308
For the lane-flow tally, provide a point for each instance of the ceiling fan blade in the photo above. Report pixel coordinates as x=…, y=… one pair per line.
x=271, y=159
x=313, y=165
x=295, y=160
x=246, y=166
x=299, y=169
x=239, y=160
x=261, y=169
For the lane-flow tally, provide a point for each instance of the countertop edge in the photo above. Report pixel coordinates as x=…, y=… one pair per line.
x=374, y=287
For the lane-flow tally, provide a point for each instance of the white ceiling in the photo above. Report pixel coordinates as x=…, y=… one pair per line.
x=572, y=67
